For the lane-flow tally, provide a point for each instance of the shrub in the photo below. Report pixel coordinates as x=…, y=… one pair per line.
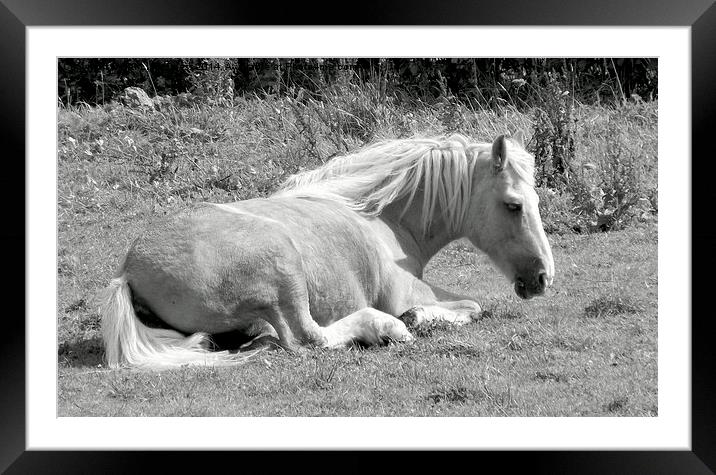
x=617, y=179
x=211, y=79
x=553, y=137
x=606, y=182
x=558, y=212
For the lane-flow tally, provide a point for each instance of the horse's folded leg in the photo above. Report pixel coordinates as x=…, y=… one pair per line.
x=466, y=306
x=389, y=329
x=368, y=326
x=420, y=314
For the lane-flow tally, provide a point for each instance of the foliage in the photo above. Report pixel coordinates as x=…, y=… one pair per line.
x=100, y=80
x=614, y=180
x=211, y=79
x=596, y=165
x=488, y=82
x=552, y=141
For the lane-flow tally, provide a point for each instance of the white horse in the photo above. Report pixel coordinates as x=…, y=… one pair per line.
x=332, y=258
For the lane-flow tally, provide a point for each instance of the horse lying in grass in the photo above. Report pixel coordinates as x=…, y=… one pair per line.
x=332, y=258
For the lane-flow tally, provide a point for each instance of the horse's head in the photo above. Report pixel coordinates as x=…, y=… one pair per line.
x=504, y=218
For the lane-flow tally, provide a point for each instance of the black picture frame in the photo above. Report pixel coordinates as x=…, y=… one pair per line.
x=16, y=15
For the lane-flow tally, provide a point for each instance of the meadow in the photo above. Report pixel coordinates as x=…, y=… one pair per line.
x=587, y=348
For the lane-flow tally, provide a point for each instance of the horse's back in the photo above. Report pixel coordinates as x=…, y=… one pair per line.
x=217, y=268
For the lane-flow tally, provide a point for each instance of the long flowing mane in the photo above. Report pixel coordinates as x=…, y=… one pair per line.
x=379, y=174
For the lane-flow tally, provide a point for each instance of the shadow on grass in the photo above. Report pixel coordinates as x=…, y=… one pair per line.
x=90, y=352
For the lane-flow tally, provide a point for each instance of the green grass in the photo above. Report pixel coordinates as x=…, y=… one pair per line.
x=587, y=348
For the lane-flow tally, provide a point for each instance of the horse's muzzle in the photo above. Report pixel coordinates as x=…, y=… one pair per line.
x=528, y=288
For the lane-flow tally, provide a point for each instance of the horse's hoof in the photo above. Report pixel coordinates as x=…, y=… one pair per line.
x=475, y=316
x=398, y=332
x=411, y=317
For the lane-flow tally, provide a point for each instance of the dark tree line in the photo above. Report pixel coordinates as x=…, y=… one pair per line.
x=490, y=82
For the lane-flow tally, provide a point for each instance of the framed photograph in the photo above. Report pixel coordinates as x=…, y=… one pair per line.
x=539, y=151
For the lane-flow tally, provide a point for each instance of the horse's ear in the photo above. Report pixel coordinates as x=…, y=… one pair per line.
x=499, y=154
x=519, y=137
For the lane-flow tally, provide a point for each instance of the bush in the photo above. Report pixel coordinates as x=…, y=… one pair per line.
x=553, y=137
x=558, y=212
x=617, y=179
x=211, y=80
x=610, y=179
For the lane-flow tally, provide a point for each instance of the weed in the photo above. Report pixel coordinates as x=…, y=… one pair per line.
x=120, y=388
x=323, y=376
x=610, y=179
x=501, y=400
x=554, y=134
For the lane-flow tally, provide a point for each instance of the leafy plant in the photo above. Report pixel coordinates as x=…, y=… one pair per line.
x=553, y=137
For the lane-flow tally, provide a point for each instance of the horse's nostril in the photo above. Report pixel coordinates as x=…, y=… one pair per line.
x=543, y=281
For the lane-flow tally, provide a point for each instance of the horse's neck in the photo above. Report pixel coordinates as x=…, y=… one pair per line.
x=408, y=234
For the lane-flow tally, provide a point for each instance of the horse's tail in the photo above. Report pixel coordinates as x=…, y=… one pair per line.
x=129, y=342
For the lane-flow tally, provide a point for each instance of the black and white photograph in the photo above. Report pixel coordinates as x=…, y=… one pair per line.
x=333, y=236
x=420, y=234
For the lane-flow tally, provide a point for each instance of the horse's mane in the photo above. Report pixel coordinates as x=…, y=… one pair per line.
x=379, y=174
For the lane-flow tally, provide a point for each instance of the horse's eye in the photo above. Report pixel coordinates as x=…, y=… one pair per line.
x=514, y=207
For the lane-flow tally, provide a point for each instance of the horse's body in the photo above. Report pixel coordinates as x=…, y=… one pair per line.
x=221, y=265
x=331, y=259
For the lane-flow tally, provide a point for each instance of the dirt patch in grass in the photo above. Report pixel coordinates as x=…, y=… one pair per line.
x=460, y=350
x=611, y=305
x=459, y=394
x=78, y=353
x=545, y=376
x=80, y=304
x=617, y=404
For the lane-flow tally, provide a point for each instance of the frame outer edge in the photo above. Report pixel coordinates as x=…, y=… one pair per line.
x=12, y=236
x=703, y=124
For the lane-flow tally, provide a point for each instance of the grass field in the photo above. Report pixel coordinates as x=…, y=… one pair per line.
x=588, y=348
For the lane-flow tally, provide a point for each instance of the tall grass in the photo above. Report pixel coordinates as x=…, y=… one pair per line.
x=242, y=147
